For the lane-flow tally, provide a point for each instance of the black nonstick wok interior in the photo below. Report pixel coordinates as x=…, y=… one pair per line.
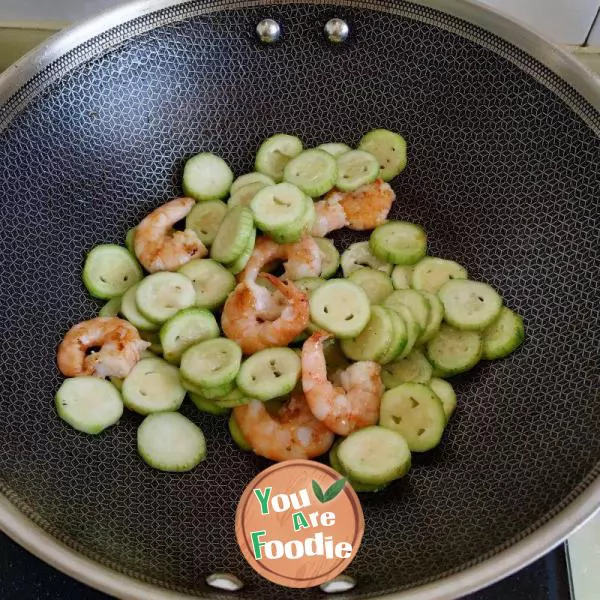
x=503, y=174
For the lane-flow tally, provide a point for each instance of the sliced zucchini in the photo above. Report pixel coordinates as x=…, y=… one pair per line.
x=335, y=359
x=376, y=284
x=153, y=385
x=414, y=300
x=110, y=270
x=207, y=406
x=402, y=277
x=240, y=263
x=335, y=464
x=389, y=149
x=117, y=382
x=244, y=195
x=88, y=404
x=335, y=149
x=413, y=368
x=470, y=304
x=168, y=441
x=414, y=411
x=212, y=282
x=313, y=171
x=154, y=339
x=186, y=328
x=205, y=218
x=359, y=255
x=399, y=338
x=435, y=317
x=130, y=310
x=504, y=335
x=330, y=257
x=236, y=434
x=248, y=178
x=309, y=284
x=160, y=295
x=399, y=242
x=413, y=331
x=445, y=392
x=130, y=240
x=211, y=363
x=233, y=235
x=374, y=455
x=279, y=208
x=431, y=273
x=112, y=308
x=206, y=177
x=453, y=351
x=355, y=169
x=275, y=153
x=341, y=307
x=294, y=233
x=216, y=392
x=374, y=340
x=235, y=398
x=269, y=374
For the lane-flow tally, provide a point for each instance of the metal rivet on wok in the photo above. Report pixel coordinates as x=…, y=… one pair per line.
x=225, y=581
x=341, y=583
x=337, y=30
x=268, y=31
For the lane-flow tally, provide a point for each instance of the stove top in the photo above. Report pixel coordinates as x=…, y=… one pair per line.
x=24, y=577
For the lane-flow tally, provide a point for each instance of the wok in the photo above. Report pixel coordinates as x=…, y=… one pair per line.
x=504, y=174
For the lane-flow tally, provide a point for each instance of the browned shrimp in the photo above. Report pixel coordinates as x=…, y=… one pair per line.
x=352, y=404
x=329, y=216
x=367, y=207
x=243, y=322
x=293, y=432
x=158, y=246
x=119, y=347
x=303, y=258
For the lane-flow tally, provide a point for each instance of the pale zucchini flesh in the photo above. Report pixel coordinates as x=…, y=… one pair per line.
x=471, y=305
x=413, y=368
x=160, y=295
x=414, y=411
x=359, y=255
x=374, y=340
x=212, y=282
x=269, y=374
x=375, y=455
x=88, y=404
x=341, y=307
x=153, y=385
x=168, y=441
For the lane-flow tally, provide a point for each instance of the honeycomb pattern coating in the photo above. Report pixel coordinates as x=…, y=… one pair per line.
x=503, y=174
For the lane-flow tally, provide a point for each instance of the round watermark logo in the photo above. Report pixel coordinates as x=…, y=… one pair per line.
x=299, y=524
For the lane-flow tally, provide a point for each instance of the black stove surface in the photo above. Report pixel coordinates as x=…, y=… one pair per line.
x=24, y=577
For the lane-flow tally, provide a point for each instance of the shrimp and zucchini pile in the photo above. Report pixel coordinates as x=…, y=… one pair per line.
x=356, y=346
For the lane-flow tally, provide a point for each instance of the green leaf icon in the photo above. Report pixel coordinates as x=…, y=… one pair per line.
x=318, y=491
x=334, y=489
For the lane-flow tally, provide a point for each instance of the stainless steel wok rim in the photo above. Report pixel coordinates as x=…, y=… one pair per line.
x=552, y=529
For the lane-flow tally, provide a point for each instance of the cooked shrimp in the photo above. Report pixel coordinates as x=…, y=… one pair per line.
x=293, y=432
x=303, y=258
x=269, y=303
x=343, y=408
x=329, y=216
x=242, y=321
x=368, y=206
x=119, y=348
x=158, y=246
